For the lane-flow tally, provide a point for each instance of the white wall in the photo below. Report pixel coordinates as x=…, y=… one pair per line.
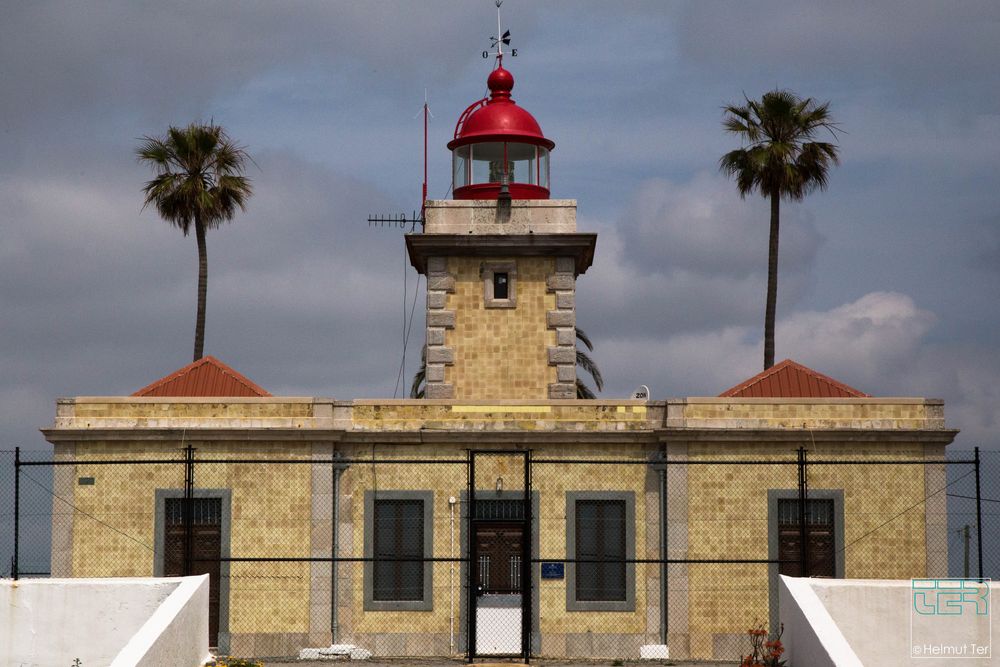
x=47, y=622
x=851, y=622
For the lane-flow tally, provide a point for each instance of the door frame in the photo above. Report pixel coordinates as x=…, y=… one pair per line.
x=159, y=539
x=529, y=574
x=773, y=495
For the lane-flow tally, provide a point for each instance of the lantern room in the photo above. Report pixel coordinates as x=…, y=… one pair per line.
x=499, y=148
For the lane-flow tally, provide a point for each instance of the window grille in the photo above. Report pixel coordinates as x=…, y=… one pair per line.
x=501, y=510
x=600, y=536
x=204, y=511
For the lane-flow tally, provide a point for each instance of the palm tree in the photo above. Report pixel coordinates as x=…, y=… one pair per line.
x=779, y=161
x=584, y=361
x=199, y=182
x=420, y=377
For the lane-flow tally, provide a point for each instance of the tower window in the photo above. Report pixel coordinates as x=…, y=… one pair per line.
x=501, y=285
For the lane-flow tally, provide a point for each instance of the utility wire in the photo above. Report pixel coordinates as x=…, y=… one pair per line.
x=406, y=335
x=985, y=500
x=86, y=514
x=896, y=516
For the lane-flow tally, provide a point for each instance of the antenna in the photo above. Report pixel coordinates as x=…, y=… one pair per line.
x=423, y=197
x=401, y=220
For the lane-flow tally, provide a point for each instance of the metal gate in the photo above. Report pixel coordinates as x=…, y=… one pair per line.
x=499, y=573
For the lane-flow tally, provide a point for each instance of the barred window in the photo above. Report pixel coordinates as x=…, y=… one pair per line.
x=600, y=537
x=398, y=533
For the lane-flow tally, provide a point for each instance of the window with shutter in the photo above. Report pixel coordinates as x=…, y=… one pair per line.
x=399, y=533
x=398, y=543
x=600, y=550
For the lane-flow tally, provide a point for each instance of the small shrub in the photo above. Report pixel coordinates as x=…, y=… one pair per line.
x=764, y=652
x=229, y=661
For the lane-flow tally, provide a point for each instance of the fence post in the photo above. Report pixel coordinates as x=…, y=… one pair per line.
x=965, y=561
x=527, y=567
x=188, y=508
x=803, y=529
x=17, y=511
x=664, y=567
x=979, y=518
x=470, y=608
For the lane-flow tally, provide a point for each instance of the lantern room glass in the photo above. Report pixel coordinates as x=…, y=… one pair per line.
x=473, y=164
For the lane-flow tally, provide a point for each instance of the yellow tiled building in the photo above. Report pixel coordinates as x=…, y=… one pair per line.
x=580, y=528
x=291, y=510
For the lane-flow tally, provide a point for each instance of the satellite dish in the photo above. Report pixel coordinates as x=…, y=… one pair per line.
x=641, y=394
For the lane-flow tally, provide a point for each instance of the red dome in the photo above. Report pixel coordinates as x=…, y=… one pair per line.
x=499, y=118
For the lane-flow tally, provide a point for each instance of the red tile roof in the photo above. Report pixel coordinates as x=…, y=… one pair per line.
x=206, y=377
x=788, y=379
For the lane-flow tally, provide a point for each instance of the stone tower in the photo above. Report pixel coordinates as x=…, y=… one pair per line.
x=501, y=261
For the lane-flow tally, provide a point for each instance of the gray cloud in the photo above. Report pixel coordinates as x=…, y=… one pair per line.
x=898, y=45
x=703, y=226
x=888, y=280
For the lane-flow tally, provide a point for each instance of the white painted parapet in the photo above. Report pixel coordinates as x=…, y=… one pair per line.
x=811, y=636
x=853, y=622
x=176, y=633
x=150, y=622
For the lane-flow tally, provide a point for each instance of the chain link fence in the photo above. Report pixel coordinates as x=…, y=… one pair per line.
x=496, y=553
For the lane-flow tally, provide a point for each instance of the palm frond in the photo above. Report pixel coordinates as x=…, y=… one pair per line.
x=584, y=361
x=588, y=365
x=417, y=388
x=200, y=173
x=779, y=155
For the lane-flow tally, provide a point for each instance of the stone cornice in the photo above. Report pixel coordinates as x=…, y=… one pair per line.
x=239, y=434
x=686, y=435
x=579, y=246
x=303, y=418
x=569, y=437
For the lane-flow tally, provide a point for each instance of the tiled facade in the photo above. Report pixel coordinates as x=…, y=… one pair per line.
x=479, y=347
x=713, y=511
x=500, y=352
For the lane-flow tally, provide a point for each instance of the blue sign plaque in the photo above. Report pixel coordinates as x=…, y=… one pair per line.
x=553, y=570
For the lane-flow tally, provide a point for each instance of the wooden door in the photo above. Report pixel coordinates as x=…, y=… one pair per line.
x=499, y=549
x=206, y=540
x=819, y=533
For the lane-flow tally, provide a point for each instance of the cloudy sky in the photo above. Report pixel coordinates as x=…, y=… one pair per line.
x=889, y=281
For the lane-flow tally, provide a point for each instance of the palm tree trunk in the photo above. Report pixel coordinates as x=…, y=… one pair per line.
x=199, y=327
x=772, y=281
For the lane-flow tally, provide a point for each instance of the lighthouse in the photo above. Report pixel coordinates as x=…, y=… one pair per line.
x=501, y=261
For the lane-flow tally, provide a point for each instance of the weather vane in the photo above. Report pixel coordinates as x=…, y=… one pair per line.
x=501, y=39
